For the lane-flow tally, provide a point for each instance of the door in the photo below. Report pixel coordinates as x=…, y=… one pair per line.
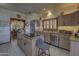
x=4, y=33
x=16, y=24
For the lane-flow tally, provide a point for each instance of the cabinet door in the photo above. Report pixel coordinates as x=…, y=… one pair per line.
x=74, y=50
x=75, y=18
x=64, y=42
x=60, y=21
x=67, y=20
x=27, y=46
x=47, y=37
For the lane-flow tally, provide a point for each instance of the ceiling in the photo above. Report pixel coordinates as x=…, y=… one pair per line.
x=32, y=7
x=28, y=7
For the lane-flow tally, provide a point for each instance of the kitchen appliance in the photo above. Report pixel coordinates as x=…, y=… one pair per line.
x=30, y=28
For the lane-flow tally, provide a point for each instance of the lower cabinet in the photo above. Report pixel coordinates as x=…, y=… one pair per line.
x=28, y=47
x=27, y=44
x=64, y=42
x=74, y=48
x=47, y=37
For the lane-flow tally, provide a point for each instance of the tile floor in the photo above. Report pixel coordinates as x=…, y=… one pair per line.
x=11, y=49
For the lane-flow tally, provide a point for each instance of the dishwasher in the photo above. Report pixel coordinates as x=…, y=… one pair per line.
x=54, y=39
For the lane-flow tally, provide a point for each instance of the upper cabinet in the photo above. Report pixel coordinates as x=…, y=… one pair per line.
x=50, y=24
x=75, y=18
x=60, y=21
x=69, y=19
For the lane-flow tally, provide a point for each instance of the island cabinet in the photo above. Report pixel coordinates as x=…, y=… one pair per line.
x=64, y=41
x=74, y=48
x=27, y=44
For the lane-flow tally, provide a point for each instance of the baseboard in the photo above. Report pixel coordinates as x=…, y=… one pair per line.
x=57, y=46
x=5, y=43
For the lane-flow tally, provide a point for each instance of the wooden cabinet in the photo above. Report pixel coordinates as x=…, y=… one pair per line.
x=47, y=37
x=60, y=20
x=27, y=44
x=75, y=18
x=65, y=20
x=50, y=24
x=74, y=48
x=64, y=41
x=69, y=19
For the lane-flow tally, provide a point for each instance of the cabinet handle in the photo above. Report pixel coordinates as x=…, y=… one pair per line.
x=24, y=43
x=18, y=38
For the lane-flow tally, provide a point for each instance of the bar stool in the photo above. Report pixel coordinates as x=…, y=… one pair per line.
x=42, y=47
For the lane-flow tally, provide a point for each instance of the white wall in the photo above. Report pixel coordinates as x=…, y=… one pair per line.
x=5, y=16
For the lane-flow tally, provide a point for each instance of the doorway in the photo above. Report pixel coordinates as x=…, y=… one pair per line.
x=15, y=25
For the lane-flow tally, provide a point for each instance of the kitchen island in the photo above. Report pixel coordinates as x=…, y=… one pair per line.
x=74, y=46
x=27, y=44
x=57, y=39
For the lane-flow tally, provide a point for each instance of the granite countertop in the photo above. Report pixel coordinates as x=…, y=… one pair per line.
x=73, y=38
x=29, y=37
x=48, y=31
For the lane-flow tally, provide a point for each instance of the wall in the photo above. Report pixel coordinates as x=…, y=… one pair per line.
x=5, y=16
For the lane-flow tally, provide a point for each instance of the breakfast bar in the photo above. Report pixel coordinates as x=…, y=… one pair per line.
x=27, y=44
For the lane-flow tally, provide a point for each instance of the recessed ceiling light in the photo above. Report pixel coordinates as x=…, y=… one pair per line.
x=44, y=9
x=49, y=13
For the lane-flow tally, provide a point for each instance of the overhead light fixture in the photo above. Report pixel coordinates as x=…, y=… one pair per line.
x=44, y=9
x=49, y=13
